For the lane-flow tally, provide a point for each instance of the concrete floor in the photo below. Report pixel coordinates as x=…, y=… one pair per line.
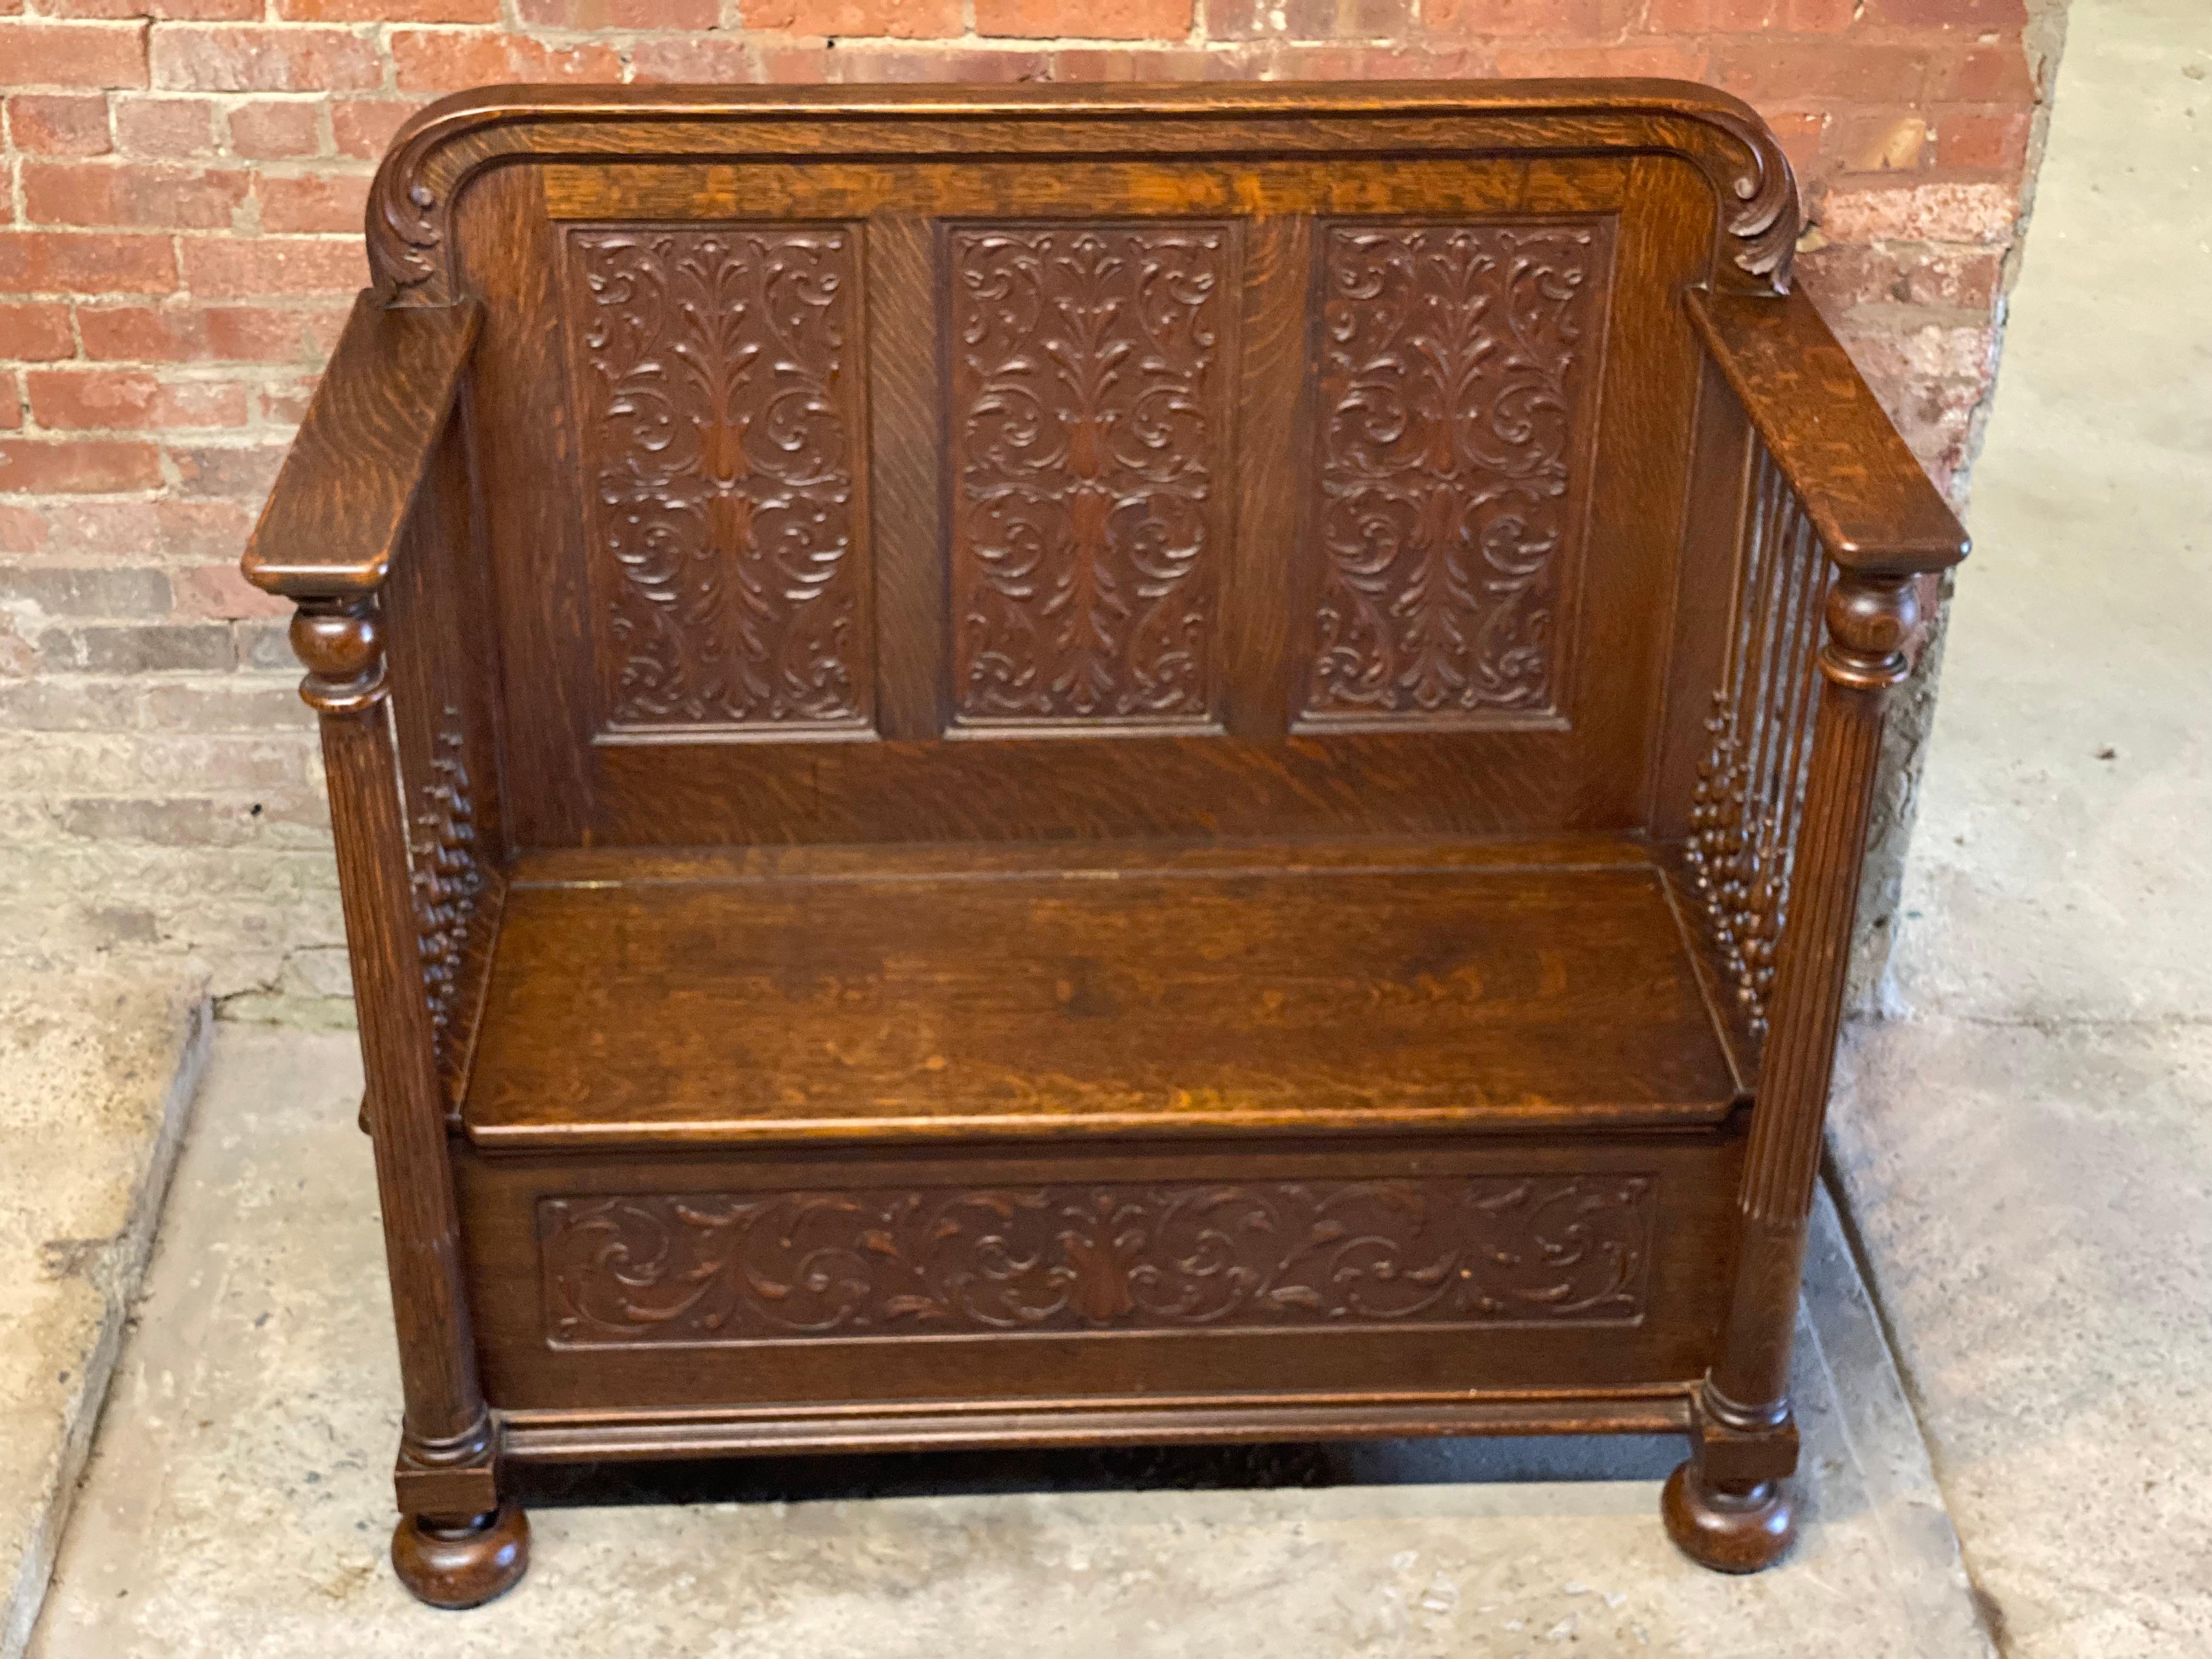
x=2026, y=1152
x=238, y=1499
x=2028, y=1156
x=96, y=1072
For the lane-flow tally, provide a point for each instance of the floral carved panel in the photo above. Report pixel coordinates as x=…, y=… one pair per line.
x=719, y=375
x=1457, y=371
x=709, y=1268
x=1086, y=445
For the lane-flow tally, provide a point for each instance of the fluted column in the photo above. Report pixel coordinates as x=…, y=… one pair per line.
x=446, y=1452
x=1870, y=618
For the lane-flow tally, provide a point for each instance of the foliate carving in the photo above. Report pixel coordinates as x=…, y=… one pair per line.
x=447, y=878
x=1088, y=417
x=1751, y=782
x=705, y=1268
x=1458, y=363
x=720, y=403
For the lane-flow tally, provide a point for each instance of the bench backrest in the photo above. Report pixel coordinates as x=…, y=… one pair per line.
x=957, y=463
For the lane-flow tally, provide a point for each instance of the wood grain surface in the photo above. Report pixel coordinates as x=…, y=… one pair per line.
x=1045, y=765
x=629, y=1013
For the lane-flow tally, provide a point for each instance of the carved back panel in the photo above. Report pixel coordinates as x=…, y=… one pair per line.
x=1203, y=485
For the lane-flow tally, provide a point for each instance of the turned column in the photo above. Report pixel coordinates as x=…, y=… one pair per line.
x=1728, y=1507
x=455, y=1545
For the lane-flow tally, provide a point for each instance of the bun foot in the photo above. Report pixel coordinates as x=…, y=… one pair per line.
x=1727, y=1528
x=461, y=1566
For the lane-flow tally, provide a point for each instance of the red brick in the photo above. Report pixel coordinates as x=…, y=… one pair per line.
x=1676, y=60
x=1699, y=16
x=1309, y=20
x=272, y=128
x=389, y=11
x=619, y=14
x=1549, y=20
x=1947, y=13
x=221, y=267
x=47, y=261
x=240, y=472
x=1983, y=75
x=1996, y=142
x=132, y=193
x=123, y=398
x=11, y=405
x=1947, y=276
x=1924, y=212
x=21, y=531
x=1749, y=17
x=1097, y=20
x=35, y=332
x=363, y=126
x=886, y=66
x=77, y=466
x=94, y=533
x=166, y=10
x=690, y=58
x=1289, y=62
x=447, y=60
x=201, y=529
x=176, y=334
x=59, y=123
x=39, y=54
x=259, y=58
x=286, y=402
x=797, y=66
x=1886, y=141
x=314, y=201
x=1774, y=72
x=94, y=397
x=909, y=18
x=165, y=126
x=220, y=592
x=1800, y=137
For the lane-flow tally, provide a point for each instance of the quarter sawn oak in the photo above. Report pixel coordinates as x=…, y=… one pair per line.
x=1066, y=765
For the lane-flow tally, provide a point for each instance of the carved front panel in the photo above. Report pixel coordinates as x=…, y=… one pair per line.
x=710, y=1268
x=1457, y=374
x=1087, y=437
x=719, y=378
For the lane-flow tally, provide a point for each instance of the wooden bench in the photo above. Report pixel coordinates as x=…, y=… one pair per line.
x=1073, y=765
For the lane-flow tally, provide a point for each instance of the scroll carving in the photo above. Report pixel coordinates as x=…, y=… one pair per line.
x=1751, y=783
x=1458, y=365
x=721, y=400
x=712, y=1269
x=432, y=159
x=1088, y=419
x=447, y=878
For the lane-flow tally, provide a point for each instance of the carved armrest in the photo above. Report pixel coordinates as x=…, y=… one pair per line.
x=344, y=491
x=1836, y=526
x=1872, y=506
x=367, y=529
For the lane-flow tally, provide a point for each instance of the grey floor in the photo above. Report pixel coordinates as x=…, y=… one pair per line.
x=2025, y=1148
x=238, y=1498
x=2029, y=1153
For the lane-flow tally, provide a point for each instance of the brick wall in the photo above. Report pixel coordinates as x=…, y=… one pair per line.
x=179, y=235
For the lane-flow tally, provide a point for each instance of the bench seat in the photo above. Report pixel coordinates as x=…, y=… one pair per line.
x=651, y=998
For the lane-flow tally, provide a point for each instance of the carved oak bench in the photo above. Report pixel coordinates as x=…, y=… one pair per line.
x=1073, y=765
